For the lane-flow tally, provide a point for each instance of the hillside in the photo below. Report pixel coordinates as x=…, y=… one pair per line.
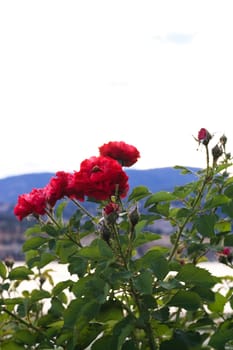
x=11, y=230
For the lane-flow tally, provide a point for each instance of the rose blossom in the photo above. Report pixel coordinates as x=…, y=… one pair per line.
x=110, y=208
x=59, y=187
x=226, y=251
x=204, y=136
x=101, y=177
x=31, y=203
x=125, y=154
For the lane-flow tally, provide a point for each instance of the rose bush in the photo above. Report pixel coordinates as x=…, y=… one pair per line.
x=116, y=298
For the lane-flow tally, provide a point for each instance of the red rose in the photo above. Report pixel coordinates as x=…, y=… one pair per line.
x=31, y=203
x=101, y=177
x=226, y=251
x=111, y=208
x=204, y=136
x=75, y=187
x=125, y=154
x=58, y=187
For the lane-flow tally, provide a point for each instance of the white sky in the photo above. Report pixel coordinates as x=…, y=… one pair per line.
x=77, y=74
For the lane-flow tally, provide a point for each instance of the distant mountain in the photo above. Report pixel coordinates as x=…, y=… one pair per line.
x=155, y=179
x=11, y=230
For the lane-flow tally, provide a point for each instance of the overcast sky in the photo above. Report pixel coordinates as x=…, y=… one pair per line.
x=77, y=74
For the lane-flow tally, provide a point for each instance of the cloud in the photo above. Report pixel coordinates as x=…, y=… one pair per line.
x=178, y=38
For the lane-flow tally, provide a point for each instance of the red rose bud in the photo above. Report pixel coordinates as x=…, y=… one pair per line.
x=225, y=255
x=111, y=212
x=204, y=136
x=226, y=251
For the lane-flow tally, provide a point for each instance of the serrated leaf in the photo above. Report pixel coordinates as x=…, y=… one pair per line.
x=110, y=310
x=205, y=224
x=194, y=275
x=159, y=197
x=145, y=237
x=218, y=304
x=216, y=201
x=60, y=286
x=138, y=193
x=97, y=250
x=37, y=295
x=186, y=300
x=11, y=345
x=144, y=282
x=33, y=243
x=220, y=337
x=155, y=261
x=3, y=270
x=20, y=273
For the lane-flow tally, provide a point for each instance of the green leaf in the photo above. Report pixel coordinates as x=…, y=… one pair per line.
x=216, y=201
x=60, y=209
x=218, y=304
x=104, y=342
x=60, y=286
x=45, y=259
x=91, y=287
x=144, y=282
x=20, y=273
x=33, y=230
x=3, y=270
x=77, y=265
x=25, y=337
x=138, y=193
x=228, y=209
x=145, y=237
x=87, y=334
x=229, y=191
x=162, y=314
x=220, y=337
x=155, y=261
x=34, y=243
x=194, y=275
x=159, y=197
x=223, y=226
x=185, y=299
x=11, y=345
x=37, y=295
x=121, y=331
x=110, y=310
x=98, y=250
x=80, y=312
x=182, y=340
x=183, y=169
x=205, y=224
x=205, y=293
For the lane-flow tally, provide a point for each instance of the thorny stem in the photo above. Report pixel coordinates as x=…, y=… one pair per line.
x=205, y=181
x=84, y=210
x=52, y=218
x=147, y=329
x=29, y=325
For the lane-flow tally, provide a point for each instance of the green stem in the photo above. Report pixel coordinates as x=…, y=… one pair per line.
x=181, y=229
x=84, y=210
x=52, y=218
x=27, y=324
x=147, y=329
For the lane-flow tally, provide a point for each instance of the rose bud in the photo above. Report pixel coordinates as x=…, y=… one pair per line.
x=204, y=136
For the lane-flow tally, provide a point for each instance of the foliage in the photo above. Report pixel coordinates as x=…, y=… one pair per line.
x=115, y=298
